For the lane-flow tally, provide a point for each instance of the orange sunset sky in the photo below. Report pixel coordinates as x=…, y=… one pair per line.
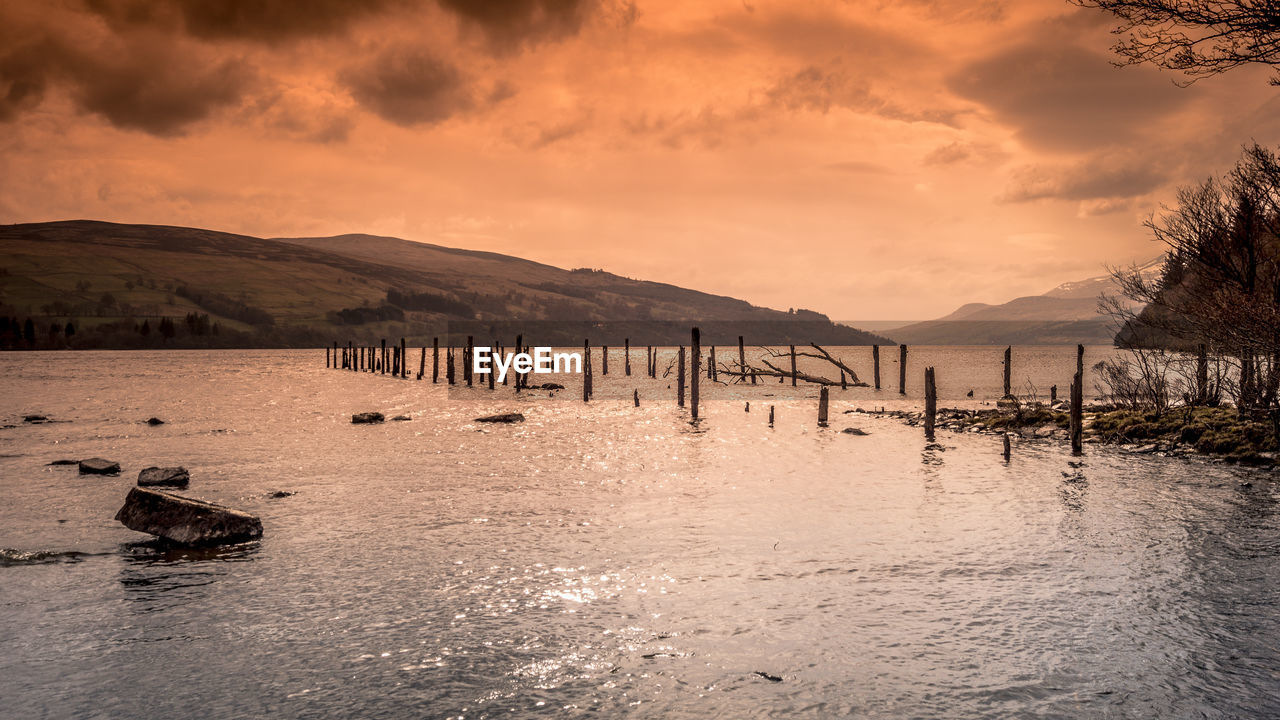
x=869, y=160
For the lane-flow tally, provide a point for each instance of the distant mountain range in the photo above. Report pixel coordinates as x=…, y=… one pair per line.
x=1065, y=315
x=151, y=285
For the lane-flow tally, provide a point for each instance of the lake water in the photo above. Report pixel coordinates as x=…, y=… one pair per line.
x=606, y=560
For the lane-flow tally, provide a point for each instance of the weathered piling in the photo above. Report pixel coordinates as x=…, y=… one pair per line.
x=586, y=370
x=466, y=361
x=742, y=355
x=435, y=360
x=680, y=379
x=930, y=403
x=1008, y=371
x=711, y=367
x=793, y=366
x=404, y=360
x=450, y=375
x=902, y=369
x=875, y=361
x=1007, y=447
x=383, y=355
x=770, y=416
x=422, y=363
x=491, y=373
x=326, y=357
x=519, y=342
x=748, y=407
x=335, y=354
x=604, y=360
x=696, y=360
x=844, y=384
x=1077, y=404
x=823, y=399
x=626, y=354
x=1053, y=394
x=635, y=397
x=648, y=360
x=395, y=360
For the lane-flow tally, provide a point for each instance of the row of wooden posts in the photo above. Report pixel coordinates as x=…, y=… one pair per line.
x=394, y=359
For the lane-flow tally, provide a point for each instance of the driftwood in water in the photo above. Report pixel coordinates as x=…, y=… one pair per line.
x=768, y=369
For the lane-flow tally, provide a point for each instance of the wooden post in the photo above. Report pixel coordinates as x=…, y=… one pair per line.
x=902, y=369
x=395, y=360
x=450, y=375
x=770, y=416
x=351, y=350
x=466, y=361
x=1008, y=371
x=1007, y=448
x=1053, y=394
x=326, y=357
x=635, y=397
x=875, y=359
x=519, y=342
x=404, y=360
x=648, y=360
x=680, y=379
x=844, y=384
x=435, y=360
x=626, y=350
x=335, y=354
x=604, y=360
x=422, y=363
x=742, y=358
x=793, y=366
x=1077, y=404
x=711, y=367
x=586, y=370
x=696, y=365
x=748, y=407
x=382, y=365
x=930, y=403
x=491, y=373
x=823, y=399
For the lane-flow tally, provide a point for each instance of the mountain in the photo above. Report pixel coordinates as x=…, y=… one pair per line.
x=1065, y=315
x=118, y=284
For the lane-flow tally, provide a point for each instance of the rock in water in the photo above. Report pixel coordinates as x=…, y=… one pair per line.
x=854, y=431
x=367, y=418
x=34, y=419
x=155, y=421
x=65, y=462
x=170, y=476
x=503, y=418
x=401, y=418
x=99, y=466
x=184, y=520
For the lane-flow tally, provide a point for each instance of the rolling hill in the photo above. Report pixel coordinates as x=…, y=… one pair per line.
x=1065, y=315
x=116, y=284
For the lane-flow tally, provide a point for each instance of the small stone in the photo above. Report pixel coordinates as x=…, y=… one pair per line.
x=166, y=476
x=99, y=466
x=854, y=431
x=367, y=418
x=401, y=418
x=155, y=421
x=282, y=494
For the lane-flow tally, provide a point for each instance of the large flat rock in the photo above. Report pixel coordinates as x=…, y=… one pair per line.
x=184, y=520
x=99, y=466
x=164, y=476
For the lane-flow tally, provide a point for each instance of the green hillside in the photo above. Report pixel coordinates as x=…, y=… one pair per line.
x=116, y=284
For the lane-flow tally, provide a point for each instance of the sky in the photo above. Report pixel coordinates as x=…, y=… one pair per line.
x=868, y=160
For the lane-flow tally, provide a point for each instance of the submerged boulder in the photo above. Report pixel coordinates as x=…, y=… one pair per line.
x=99, y=466
x=65, y=462
x=367, y=418
x=503, y=418
x=170, y=476
x=186, y=521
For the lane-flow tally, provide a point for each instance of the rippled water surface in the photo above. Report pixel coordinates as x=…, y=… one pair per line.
x=604, y=559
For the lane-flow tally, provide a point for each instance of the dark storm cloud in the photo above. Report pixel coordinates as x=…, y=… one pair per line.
x=1065, y=97
x=1102, y=178
x=142, y=86
x=409, y=86
x=259, y=20
x=509, y=24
